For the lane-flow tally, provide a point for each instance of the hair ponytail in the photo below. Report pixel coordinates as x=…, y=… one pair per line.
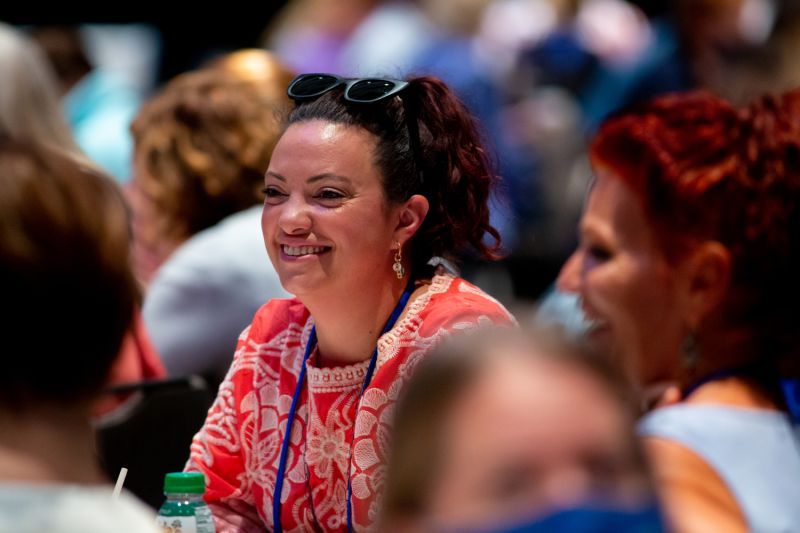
x=458, y=177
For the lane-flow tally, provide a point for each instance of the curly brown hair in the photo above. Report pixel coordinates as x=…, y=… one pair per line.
x=202, y=145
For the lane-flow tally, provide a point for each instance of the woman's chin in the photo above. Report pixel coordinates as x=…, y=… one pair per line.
x=301, y=285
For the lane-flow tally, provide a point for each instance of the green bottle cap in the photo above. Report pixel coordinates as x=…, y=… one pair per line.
x=184, y=483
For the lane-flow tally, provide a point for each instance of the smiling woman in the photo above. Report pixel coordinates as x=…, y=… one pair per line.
x=687, y=266
x=354, y=228
x=372, y=191
x=620, y=271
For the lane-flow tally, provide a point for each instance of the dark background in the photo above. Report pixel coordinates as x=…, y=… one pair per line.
x=189, y=31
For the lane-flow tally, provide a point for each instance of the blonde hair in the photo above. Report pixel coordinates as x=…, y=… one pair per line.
x=29, y=101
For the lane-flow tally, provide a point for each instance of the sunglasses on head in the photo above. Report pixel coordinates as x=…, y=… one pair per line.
x=307, y=87
x=356, y=90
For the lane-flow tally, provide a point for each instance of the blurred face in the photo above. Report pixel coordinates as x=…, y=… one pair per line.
x=626, y=287
x=326, y=222
x=528, y=437
x=151, y=247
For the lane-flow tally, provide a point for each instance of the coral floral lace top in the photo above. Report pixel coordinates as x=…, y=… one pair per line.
x=238, y=447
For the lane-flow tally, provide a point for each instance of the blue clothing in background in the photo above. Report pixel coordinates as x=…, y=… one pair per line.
x=562, y=309
x=100, y=109
x=452, y=59
x=661, y=69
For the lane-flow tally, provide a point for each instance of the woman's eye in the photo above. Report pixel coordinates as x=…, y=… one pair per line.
x=599, y=253
x=509, y=483
x=272, y=193
x=330, y=194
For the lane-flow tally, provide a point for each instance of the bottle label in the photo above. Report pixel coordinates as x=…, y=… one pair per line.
x=177, y=524
x=205, y=520
x=185, y=517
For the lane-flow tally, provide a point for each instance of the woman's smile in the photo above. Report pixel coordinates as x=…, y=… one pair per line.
x=326, y=222
x=302, y=251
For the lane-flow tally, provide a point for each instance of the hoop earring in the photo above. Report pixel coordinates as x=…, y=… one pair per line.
x=398, y=267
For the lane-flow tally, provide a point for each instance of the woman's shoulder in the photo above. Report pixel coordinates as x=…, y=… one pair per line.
x=720, y=433
x=710, y=453
x=453, y=300
x=273, y=338
x=277, y=316
x=694, y=495
x=66, y=508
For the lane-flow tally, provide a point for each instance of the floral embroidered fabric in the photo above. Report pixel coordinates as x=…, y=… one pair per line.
x=238, y=447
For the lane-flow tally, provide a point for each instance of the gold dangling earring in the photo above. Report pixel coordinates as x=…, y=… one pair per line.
x=398, y=268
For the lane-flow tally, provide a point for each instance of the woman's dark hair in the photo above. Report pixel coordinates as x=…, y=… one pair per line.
x=68, y=291
x=457, y=177
x=705, y=170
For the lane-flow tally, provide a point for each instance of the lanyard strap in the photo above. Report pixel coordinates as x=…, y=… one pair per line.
x=791, y=395
x=715, y=376
x=312, y=341
x=789, y=388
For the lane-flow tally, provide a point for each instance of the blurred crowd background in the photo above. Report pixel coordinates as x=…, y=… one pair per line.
x=539, y=74
x=183, y=113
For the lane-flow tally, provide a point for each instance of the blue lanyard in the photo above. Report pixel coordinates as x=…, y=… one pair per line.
x=716, y=376
x=791, y=395
x=789, y=387
x=312, y=341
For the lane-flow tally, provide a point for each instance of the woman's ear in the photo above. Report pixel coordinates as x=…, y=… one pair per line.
x=410, y=217
x=708, y=271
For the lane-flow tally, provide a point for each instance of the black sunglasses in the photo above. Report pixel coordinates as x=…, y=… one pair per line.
x=356, y=90
x=307, y=87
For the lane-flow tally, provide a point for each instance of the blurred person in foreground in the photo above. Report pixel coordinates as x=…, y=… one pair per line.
x=687, y=268
x=374, y=189
x=516, y=432
x=68, y=300
x=30, y=111
x=202, y=145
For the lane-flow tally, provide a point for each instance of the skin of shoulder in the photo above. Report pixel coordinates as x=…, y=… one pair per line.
x=695, y=498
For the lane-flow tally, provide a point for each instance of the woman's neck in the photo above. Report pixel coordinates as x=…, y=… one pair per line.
x=728, y=361
x=49, y=445
x=348, y=325
x=719, y=350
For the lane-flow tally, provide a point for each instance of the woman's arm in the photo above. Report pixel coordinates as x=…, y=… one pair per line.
x=695, y=498
x=219, y=452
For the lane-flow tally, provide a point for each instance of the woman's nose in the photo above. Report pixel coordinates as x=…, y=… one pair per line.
x=295, y=217
x=569, y=277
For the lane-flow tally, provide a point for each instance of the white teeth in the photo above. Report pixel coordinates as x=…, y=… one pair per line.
x=302, y=250
x=595, y=324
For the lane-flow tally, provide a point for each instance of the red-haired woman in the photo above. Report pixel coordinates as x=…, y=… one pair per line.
x=688, y=268
x=372, y=190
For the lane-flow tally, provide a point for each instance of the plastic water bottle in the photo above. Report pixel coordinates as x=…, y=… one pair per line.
x=184, y=511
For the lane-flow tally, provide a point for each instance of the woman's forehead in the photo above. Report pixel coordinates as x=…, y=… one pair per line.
x=614, y=209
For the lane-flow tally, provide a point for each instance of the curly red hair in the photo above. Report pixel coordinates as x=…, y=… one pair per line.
x=708, y=171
